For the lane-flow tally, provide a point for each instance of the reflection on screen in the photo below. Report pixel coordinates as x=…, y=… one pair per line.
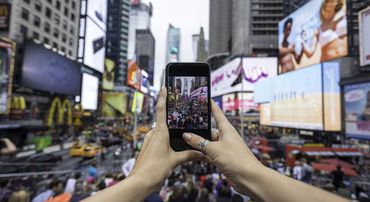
x=187, y=102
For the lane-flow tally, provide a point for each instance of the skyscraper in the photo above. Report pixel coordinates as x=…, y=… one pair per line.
x=53, y=22
x=117, y=37
x=173, y=44
x=145, y=48
x=200, y=47
x=140, y=18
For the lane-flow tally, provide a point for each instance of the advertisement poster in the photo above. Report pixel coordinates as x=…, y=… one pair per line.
x=7, y=53
x=108, y=75
x=114, y=104
x=239, y=102
x=364, y=30
x=89, y=92
x=97, y=11
x=304, y=99
x=137, y=102
x=134, y=75
x=94, y=46
x=315, y=33
x=241, y=74
x=357, y=110
x=5, y=9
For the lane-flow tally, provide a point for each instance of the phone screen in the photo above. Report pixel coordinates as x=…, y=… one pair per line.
x=188, y=102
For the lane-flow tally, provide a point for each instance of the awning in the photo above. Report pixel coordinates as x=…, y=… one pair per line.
x=319, y=153
x=332, y=167
x=349, y=153
x=337, y=162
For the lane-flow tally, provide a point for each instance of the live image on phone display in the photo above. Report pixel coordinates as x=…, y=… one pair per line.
x=187, y=102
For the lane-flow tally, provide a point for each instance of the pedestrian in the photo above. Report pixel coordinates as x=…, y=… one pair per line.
x=79, y=193
x=5, y=192
x=71, y=182
x=297, y=171
x=55, y=189
x=129, y=164
x=337, y=178
x=92, y=173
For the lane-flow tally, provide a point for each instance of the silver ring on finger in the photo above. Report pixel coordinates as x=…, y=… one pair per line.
x=203, y=145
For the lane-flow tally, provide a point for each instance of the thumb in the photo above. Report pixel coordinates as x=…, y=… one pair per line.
x=189, y=155
x=195, y=140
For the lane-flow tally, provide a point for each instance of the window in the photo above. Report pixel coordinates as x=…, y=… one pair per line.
x=65, y=24
x=27, y=1
x=55, y=45
x=65, y=11
x=25, y=14
x=47, y=27
x=46, y=40
x=56, y=33
x=57, y=5
x=24, y=30
x=70, y=42
x=71, y=30
x=48, y=12
x=73, y=4
x=35, y=35
x=38, y=5
x=50, y=1
x=64, y=38
x=36, y=21
x=72, y=17
x=56, y=19
x=70, y=52
x=63, y=49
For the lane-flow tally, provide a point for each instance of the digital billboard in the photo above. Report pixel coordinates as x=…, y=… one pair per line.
x=304, y=99
x=364, y=30
x=241, y=74
x=137, y=102
x=108, y=75
x=114, y=104
x=357, y=110
x=133, y=75
x=316, y=32
x=94, y=54
x=7, y=53
x=97, y=11
x=89, y=92
x=46, y=70
x=239, y=102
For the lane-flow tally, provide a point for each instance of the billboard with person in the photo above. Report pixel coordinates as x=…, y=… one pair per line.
x=357, y=110
x=364, y=30
x=7, y=53
x=315, y=33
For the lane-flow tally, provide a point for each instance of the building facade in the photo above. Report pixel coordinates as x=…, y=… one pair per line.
x=145, y=46
x=53, y=22
x=140, y=18
x=173, y=44
x=200, y=49
x=117, y=37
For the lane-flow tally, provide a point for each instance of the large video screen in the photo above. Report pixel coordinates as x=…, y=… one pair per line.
x=90, y=90
x=242, y=75
x=94, y=46
x=46, y=70
x=315, y=33
x=114, y=104
x=357, y=110
x=304, y=99
x=239, y=102
x=97, y=11
x=364, y=29
x=7, y=52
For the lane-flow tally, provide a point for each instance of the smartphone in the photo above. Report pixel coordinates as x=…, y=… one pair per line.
x=188, y=102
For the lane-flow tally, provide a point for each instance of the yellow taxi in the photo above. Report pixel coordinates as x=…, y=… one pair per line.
x=76, y=150
x=90, y=150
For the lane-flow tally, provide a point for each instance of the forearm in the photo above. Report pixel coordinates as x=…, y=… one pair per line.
x=131, y=189
x=267, y=185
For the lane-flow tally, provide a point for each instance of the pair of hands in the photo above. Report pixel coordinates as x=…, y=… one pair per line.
x=227, y=150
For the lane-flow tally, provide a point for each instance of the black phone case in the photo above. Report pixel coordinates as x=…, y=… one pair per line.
x=177, y=143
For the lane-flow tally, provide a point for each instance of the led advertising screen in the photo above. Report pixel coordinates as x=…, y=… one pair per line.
x=94, y=55
x=89, y=93
x=108, y=75
x=242, y=75
x=241, y=102
x=114, y=104
x=97, y=11
x=357, y=110
x=364, y=30
x=7, y=52
x=137, y=102
x=304, y=99
x=133, y=75
x=46, y=70
x=315, y=33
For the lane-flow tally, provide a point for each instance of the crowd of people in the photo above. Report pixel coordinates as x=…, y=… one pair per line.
x=188, y=113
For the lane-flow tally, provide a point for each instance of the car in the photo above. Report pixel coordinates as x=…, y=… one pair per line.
x=90, y=151
x=76, y=150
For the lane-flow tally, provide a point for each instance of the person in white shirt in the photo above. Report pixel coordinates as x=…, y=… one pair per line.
x=297, y=171
x=55, y=188
x=129, y=165
x=71, y=183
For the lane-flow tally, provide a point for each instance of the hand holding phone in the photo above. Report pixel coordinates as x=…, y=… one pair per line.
x=188, y=102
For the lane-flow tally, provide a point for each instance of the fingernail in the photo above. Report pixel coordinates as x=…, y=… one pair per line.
x=186, y=136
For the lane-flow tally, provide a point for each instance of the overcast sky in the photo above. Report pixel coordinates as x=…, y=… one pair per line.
x=189, y=15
